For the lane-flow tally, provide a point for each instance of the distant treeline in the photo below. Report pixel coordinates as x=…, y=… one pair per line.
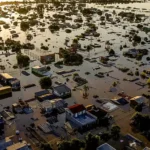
x=71, y=1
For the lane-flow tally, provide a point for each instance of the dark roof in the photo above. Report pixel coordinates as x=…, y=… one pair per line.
x=43, y=92
x=98, y=112
x=76, y=108
x=62, y=88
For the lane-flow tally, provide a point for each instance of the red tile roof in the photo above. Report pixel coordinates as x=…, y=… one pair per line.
x=76, y=108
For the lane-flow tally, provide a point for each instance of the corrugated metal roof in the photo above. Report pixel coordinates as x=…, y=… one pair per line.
x=6, y=75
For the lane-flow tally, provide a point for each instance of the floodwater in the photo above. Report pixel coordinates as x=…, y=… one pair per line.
x=98, y=86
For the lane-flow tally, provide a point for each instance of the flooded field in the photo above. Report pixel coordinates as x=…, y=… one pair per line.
x=115, y=27
x=112, y=31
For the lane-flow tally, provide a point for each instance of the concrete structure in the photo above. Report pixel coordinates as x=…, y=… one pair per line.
x=105, y=146
x=78, y=115
x=41, y=71
x=62, y=91
x=137, y=100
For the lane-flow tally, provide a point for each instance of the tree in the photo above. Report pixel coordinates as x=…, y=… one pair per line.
x=23, y=60
x=65, y=145
x=24, y=25
x=139, y=107
x=111, y=52
x=45, y=146
x=105, y=136
x=114, y=84
x=45, y=82
x=75, y=75
x=92, y=141
x=148, y=82
x=77, y=144
x=115, y=131
x=137, y=73
x=85, y=88
x=143, y=75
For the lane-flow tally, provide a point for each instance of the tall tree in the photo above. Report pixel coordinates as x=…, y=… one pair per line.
x=65, y=145
x=77, y=144
x=45, y=82
x=92, y=142
x=115, y=131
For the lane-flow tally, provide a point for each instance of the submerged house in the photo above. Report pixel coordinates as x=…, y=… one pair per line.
x=41, y=71
x=47, y=58
x=132, y=52
x=78, y=115
x=137, y=100
x=7, y=79
x=62, y=91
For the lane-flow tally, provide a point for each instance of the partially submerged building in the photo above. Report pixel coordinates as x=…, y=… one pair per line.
x=44, y=95
x=137, y=100
x=62, y=91
x=78, y=115
x=47, y=58
x=5, y=91
x=41, y=71
x=7, y=79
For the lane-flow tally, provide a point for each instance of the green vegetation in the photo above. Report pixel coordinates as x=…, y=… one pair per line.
x=114, y=84
x=45, y=82
x=22, y=10
x=54, y=27
x=2, y=22
x=138, y=108
x=24, y=26
x=137, y=73
x=148, y=82
x=124, y=69
x=45, y=146
x=74, y=144
x=85, y=89
x=70, y=58
x=115, y=131
x=142, y=123
x=22, y=60
x=92, y=141
x=143, y=75
x=111, y=52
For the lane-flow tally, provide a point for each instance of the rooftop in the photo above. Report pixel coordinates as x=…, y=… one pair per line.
x=76, y=108
x=105, y=146
x=36, y=67
x=85, y=119
x=6, y=75
x=62, y=88
x=109, y=107
x=18, y=146
x=98, y=112
x=5, y=87
x=136, y=97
